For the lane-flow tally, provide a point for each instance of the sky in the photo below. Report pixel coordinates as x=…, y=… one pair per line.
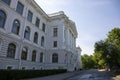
x=93, y=18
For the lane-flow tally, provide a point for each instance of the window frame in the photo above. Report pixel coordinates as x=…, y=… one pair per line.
x=43, y=27
x=27, y=33
x=24, y=53
x=34, y=52
x=54, y=58
x=11, y=50
x=42, y=41
x=16, y=27
x=41, y=57
x=37, y=22
x=2, y=18
x=7, y=1
x=30, y=16
x=20, y=8
x=55, y=44
x=55, y=32
x=35, y=38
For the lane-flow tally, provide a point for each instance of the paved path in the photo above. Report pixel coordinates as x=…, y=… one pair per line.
x=58, y=76
x=93, y=75
x=80, y=75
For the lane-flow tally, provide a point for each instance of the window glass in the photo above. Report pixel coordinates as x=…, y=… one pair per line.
x=7, y=1
x=37, y=22
x=55, y=32
x=2, y=18
x=16, y=27
x=20, y=8
x=11, y=50
x=30, y=15
x=24, y=53
x=43, y=27
x=36, y=37
x=55, y=58
x=55, y=44
x=34, y=56
x=42, y=41
x=41, y=57
x=27, y=33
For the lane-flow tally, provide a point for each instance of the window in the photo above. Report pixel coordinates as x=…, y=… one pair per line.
x=55, y=44
x=43, y=27
x=9, y=67
x=0, y=44
x=55, y=32
x=41, y=57
x=34, y=56
x=2, y=18
x=36, y=37
x=42, y=41
x=20, y=8
x=37, y=22
x=66, y=58
x=30, y=15
x=7, y=1
x=23, y=68
x=11, y=50
x=55, y=58
x=16, y=26
x=27, y=33
x=24, y=53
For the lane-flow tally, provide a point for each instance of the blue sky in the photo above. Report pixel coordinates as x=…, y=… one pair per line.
x=93, y=18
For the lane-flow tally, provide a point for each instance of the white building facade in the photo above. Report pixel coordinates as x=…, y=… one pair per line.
x=32, y=39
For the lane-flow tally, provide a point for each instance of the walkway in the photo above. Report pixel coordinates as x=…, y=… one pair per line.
x=58, y=76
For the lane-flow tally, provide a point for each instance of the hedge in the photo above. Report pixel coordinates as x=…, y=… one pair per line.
x=23, y=74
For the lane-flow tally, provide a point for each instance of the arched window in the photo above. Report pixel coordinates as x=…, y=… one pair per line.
x=16, y=26
x=36, y=37
x=27, y=33
x=2, y=18
x=42, y=41
x=24, y=53
x=34, y=55
x=11, y=50
x=7, y=1
x=55, y=58
x=41, y=57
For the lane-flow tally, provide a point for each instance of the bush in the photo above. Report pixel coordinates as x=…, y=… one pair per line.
x=117, y=72
x=23, y=74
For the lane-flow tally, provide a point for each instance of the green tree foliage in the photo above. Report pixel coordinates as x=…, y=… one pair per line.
x=87, y=61
x=107, y=52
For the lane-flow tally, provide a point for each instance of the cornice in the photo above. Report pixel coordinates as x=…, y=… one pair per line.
x=38, y=8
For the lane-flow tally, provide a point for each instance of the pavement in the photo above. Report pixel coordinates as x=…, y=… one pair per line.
x=62, y=76
x=79, y=75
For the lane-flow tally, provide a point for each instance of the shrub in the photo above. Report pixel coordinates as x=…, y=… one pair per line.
x=117, y=72
x=23, y=74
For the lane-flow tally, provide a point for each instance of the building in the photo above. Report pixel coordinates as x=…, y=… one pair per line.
x=32, y=39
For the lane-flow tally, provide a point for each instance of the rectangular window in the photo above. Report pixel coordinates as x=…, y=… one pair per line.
x=20, y=8
x=43, y=27
x=7, y=1
x=37, y=22
x=55, y=44
x=29, y=16
x=55, y=32
x=23, y=68
x=9, y=67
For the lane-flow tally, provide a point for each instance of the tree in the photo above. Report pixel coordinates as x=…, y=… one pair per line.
x=107, y=52
x=114, y=40
x=87, y=61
